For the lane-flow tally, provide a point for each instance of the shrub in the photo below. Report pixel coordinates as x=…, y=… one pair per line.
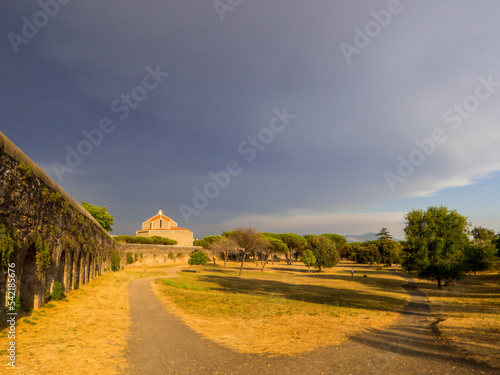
x=198, y=258
x=47, y=295
x=26, y=169
x=163, y=240
x=154, y=240
x=115, y=261
x=130, y=260
x=179, y=255
x=57, y=291
x=43, y=252
x=170, y=255
x=8, y=243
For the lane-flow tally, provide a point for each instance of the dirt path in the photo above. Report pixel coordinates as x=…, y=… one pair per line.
x=161, y=344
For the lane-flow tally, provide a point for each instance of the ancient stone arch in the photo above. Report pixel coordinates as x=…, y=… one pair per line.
x=77, y=270
x=29, y=281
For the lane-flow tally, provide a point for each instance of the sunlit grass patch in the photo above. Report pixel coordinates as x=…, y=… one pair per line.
x=184, y=285
x=89, y=330
x=284, y=310
x=470, y=314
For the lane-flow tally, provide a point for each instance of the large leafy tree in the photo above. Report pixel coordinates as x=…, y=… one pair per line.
x=365, y=253
x=435, y=243
x=483, y=234
x=225, y=246
x=308, y=259
x=275, y=245
x=479, y=256
x=340, y=243
x=206, y=241
x=384, y=246
x=249, y=239
x=294, y=243
x=388, y=248
x=496, y=243
x=324, y=250
x=100, y=214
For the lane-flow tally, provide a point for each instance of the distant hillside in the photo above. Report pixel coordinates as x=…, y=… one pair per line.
x=370, y=236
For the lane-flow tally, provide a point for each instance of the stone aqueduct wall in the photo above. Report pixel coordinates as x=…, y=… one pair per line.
x=156, y=254
x=37, y=211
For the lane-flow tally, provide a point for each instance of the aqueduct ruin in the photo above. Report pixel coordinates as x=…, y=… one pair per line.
x=49, y=237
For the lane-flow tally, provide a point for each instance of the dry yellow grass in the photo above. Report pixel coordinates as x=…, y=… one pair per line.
x=470, y=314
x=284, y=312
x=86, y=334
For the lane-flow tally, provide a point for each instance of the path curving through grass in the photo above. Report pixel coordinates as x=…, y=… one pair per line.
x=160, y=343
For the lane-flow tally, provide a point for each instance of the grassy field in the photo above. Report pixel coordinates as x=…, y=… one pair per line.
x=470, y=315
x=284, y=310
x=85, y=334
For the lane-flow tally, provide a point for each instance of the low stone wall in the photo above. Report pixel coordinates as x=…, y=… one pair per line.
x=154, y=254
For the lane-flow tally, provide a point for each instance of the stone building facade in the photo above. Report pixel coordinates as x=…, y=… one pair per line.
x=163, y=226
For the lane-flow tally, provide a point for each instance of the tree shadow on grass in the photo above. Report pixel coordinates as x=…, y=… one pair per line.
x=317, y=294
x=290, y=270
x=372, y=280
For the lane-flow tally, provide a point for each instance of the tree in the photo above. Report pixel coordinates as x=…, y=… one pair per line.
x=308, y=259
x=435, y=243
x=496, y=242
x=100, y=214
x=198, y=258
x=275, y=245
x=365, y=253
x=388, y=249
x=250, y=240
x=294, y=243
x=484, y=234
x=340, y=243
x=324, y=250
x=479, y=256
x=206, y=241
x=224, y=245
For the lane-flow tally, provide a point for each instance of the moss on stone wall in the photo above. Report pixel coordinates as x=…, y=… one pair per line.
x=9, y=242
x=43, y=253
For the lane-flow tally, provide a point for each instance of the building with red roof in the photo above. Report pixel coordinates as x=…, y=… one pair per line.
x=163, y=226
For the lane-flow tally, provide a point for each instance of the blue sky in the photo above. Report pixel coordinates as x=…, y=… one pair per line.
x=325, y=116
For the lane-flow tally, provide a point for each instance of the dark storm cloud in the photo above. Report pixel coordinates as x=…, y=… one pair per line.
x=354, y=119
